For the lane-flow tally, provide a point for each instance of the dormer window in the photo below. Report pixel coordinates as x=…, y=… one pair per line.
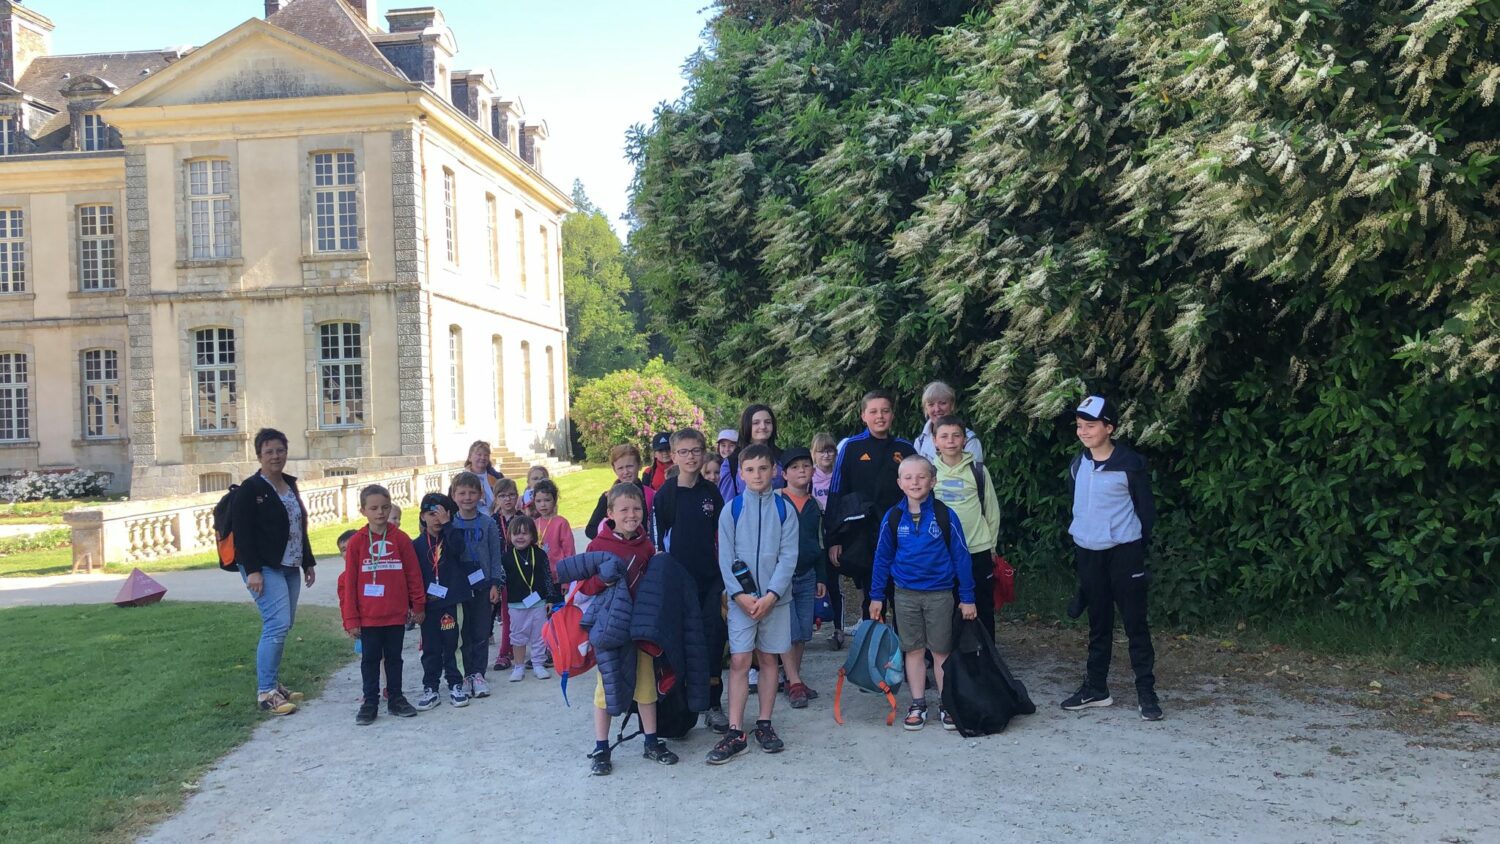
x=9, y=136
x=95, y=134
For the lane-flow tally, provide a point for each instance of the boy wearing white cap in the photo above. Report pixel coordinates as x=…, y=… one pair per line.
x=1113, y=513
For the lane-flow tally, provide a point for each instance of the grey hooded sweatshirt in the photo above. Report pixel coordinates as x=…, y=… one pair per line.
x=764, y=538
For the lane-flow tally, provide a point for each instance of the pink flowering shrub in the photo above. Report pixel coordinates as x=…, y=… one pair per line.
x=628, y=407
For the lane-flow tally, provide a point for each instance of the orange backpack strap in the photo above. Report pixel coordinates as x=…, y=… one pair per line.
x=838, y=694
x=891, y=718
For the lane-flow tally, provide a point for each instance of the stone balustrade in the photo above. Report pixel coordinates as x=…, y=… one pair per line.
x=138, y=531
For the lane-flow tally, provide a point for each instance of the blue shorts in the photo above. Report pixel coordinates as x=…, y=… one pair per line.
x=804, y=596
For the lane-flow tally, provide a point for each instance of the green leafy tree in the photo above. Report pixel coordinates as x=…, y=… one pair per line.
x=1271, y=228
x=603, y=334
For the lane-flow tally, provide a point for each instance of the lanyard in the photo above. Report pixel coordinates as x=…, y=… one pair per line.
x=529, y=581
x=544, y=525
x=371, y=534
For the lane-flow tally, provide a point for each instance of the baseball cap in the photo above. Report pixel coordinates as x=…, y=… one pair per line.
x=434, y=500
x=661, y=442
x=1098, y=409
x=794, y=454
x=729, y=434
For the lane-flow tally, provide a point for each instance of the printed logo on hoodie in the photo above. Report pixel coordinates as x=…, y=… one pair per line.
x=382, y=557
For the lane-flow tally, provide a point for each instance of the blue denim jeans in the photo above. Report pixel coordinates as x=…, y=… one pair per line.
x=277, y=603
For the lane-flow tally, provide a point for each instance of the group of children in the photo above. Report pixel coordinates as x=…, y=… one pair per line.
x=746, y=523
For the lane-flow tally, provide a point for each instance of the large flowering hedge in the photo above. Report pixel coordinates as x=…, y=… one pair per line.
x=628, y=407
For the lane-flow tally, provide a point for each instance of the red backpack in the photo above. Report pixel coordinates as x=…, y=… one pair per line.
x=572, y=654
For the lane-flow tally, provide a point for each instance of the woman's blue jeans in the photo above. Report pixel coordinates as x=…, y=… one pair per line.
x=277, y=603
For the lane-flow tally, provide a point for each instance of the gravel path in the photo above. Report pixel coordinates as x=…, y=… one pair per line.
x=1260, y=768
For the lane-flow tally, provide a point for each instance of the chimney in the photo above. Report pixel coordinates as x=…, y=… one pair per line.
x=24, y=35
x=366, y=12
x=274, y=6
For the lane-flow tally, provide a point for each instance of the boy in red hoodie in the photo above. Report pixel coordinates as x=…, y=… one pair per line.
x=624, y=535
x=381, y=584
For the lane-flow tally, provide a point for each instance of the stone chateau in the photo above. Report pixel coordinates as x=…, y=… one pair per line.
x=316, y=222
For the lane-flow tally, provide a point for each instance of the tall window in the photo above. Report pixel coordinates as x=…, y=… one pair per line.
x=96, y=247
x=15, y=398
x=341, y=373
x=12, y=250
x=456, y=373
x=450, y=213
x=497, y=375
x=95, y=133
x=492, y=231
x=101, y=394
x=335, y=202
x=551, y=387
x=521, y=247
x=209, y=208
x=526, y=381
x=546, y=264
x=215, y=389
x=8, y=136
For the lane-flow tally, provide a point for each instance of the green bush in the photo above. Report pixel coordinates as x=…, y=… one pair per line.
x=720, y=410
x=1270, y=229
x=628, y=407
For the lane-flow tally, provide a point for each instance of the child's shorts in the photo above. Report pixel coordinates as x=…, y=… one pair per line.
x=925, y=620
x=804, y=595
x=645, y=681
x=770, y=635
x=526, y=625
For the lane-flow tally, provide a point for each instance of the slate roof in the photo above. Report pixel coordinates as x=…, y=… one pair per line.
x=45, y=78
x=331, y=24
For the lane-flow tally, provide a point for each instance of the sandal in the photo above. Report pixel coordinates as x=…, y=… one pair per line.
x=275, y=703
x=294, y=697
x=916, y=717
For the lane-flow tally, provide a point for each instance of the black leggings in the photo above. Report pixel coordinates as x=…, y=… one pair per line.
x=376, y=645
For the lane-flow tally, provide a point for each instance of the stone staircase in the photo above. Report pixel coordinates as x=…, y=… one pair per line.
x=516, y=466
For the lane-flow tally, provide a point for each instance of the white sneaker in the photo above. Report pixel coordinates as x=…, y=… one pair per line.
x=480, y=687
x=457, y=696
x=518, y=673
x=541, y=672
x=754, y=678
x=469, y=685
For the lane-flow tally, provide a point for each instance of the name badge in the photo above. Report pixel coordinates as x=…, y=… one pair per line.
x=531, y=600
x=475, y=576
x=374, y=590
x=437, y=590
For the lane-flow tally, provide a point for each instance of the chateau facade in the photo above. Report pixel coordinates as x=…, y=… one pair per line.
x=314, y=222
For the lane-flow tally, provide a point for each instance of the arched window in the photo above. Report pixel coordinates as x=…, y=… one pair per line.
x=551, y=387
x=526, y=381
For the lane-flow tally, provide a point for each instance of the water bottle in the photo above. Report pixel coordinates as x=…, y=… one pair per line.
x=359, y=646
x=741, y=572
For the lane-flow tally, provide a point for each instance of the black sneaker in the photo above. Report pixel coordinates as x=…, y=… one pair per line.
x=401, y=707
x=1075, y=604
x=660, y=754
x=600, y=766
x=731, y=745
x=1087, y=698
x=367, y=712
x=765, y=734
x=1150, y=707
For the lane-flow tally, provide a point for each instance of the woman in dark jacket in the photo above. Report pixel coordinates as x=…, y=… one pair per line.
x=274, y=557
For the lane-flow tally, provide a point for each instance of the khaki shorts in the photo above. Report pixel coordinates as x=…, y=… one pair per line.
x=645, y=681
x=925, y=620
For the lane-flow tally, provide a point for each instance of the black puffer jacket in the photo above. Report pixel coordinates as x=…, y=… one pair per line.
x=663, y=614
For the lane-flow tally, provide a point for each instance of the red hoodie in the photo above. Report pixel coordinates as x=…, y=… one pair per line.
x=636, y=551
x=380, y=584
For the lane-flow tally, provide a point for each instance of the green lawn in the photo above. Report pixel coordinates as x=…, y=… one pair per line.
x=60, y=560
x=137, y=704
x=578, y=492
x=44, y=512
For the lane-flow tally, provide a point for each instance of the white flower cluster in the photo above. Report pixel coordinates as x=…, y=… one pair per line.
x=37, y=486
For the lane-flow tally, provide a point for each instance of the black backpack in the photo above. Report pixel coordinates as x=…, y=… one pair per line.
x=940, y=511
x=978, y=689
x=224, y=530
x=673, y=718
